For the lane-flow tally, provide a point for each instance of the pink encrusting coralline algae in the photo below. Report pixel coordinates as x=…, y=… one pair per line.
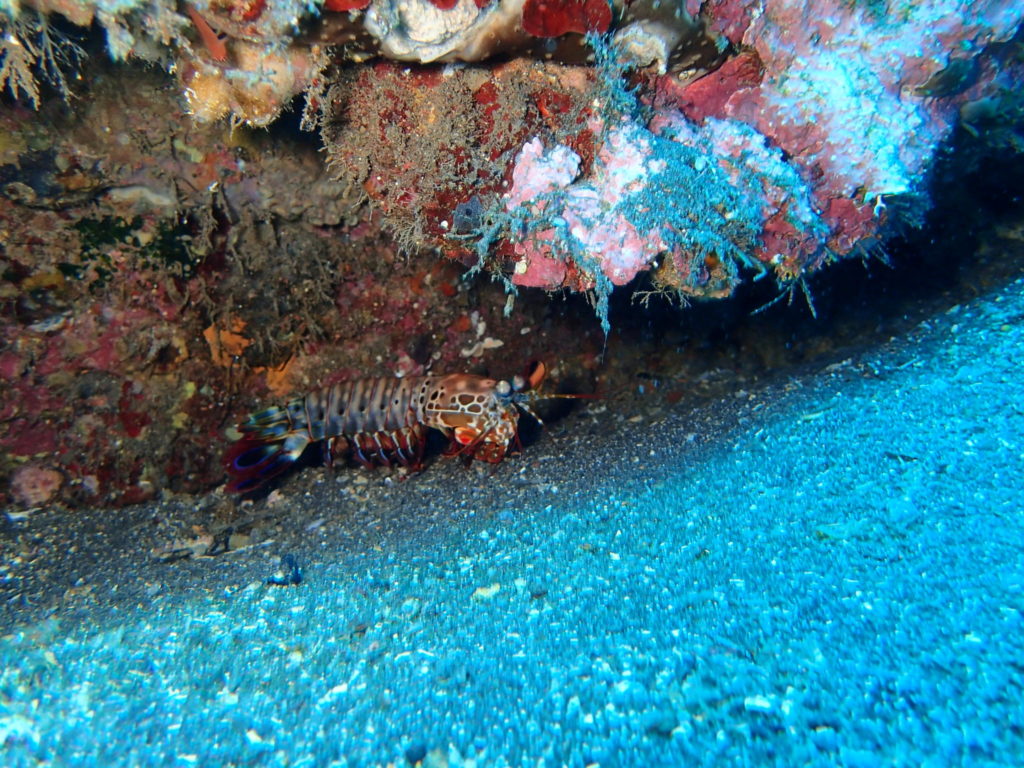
x=587, y=214
x=672, y=189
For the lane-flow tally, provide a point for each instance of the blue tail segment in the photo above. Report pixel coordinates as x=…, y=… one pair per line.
x=268, y=447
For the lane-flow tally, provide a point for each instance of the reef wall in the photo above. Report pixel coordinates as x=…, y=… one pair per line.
x=172, y=254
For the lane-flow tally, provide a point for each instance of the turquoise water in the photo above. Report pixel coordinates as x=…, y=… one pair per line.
x=837, y=581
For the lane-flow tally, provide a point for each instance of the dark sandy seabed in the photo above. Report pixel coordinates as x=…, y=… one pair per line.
x=823, y=566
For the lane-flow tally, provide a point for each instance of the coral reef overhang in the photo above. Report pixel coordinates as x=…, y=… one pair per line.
x=172, y=254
